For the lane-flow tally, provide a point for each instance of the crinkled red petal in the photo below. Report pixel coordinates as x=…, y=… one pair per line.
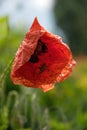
x=58, y=60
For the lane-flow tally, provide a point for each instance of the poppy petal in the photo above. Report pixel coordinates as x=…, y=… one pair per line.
x=42, y=59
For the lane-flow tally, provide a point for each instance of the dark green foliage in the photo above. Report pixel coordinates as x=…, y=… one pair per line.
x=71, y=16
x=9, y=86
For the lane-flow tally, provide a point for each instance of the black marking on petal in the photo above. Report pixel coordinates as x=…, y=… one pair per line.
x=41, y=48
x=42, y=68
x=34, y=59
x=44, y=47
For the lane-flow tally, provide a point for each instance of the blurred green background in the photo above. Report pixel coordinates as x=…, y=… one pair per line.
x=64, y=107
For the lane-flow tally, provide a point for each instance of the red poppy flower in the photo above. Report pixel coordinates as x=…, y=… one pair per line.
x=41, y=60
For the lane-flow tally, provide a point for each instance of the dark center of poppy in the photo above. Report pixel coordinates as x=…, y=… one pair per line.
x=41, y=48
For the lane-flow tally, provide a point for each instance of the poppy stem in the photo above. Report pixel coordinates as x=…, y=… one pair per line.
x=6, y=70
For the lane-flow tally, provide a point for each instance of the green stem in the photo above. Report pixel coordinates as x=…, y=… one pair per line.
x=6, y=70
